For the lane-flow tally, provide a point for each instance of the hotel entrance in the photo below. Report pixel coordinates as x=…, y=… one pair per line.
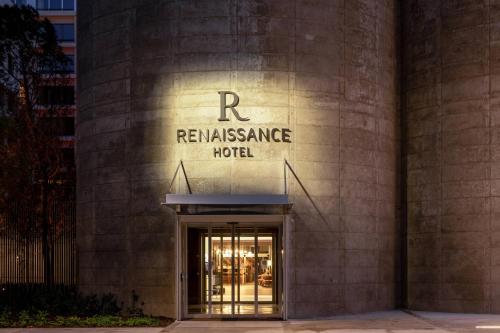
x=232, y=269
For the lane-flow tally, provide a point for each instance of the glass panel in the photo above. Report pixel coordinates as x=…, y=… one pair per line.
x=211, y=277
x=68, y=4
x=65, y=32
x=52, y=95
x=245, y=272
x=55, y=4
x=42, y=4
x=69, y=32
x=221, y=271
x=66, y=68
x=25, y=3
x=267, y=273
x=70, y=66
x=216, y=279
x=196, y=270
x=226, y=273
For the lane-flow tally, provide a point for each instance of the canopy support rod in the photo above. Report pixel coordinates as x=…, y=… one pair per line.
x=287, y=165
x=180, y=165
x=284, y=176
x=186, y=178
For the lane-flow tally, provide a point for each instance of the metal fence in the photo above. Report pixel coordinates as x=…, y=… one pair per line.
x=22, y=259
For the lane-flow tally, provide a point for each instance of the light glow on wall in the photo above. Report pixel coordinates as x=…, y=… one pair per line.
x=241, y=150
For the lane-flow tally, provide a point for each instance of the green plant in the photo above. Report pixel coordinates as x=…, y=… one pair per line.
x=58, y=321
x=72, y=321
x=55, y=300
x=5, y=318
x=23, y=305
x=103, y=321
x=41, y=319
x=142, y=321
x=24, y=319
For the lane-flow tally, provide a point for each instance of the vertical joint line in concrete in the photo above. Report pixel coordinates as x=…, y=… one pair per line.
x=490, y=161
x=339, y=159
x=403, y=163
x=441, y=164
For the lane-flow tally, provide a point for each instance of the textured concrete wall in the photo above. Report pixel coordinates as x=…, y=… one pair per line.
x=324, y=69
x=347, y=156
x=452, y=107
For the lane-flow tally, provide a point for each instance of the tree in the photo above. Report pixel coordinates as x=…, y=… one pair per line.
x=32, y=80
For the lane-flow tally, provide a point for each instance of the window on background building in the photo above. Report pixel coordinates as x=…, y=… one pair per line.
x=50, y=95
x=7, y=102
x=48, y=4
x=42, y=4
x=3, y=104
x=67, y=126
x=68, y=5
x=55, y=4
x=59, y=126
x=69, y=68
x=69, y=155
x=25, y=3
x=68, y=159
x=65, y=32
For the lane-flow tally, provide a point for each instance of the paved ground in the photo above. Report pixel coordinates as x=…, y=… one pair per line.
x=378, y=322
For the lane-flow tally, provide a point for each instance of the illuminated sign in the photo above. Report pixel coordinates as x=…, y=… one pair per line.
x=224, y=106
x=233, y=134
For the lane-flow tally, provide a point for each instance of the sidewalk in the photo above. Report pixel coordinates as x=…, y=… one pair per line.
x=84, y=330
x=377, y=322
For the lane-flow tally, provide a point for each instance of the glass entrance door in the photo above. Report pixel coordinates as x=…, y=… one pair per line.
x=233, y=270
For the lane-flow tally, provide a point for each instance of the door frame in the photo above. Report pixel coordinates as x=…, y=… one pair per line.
x=265, y=220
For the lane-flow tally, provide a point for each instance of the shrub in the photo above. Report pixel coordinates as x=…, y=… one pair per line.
x=41, y=318
x=55, y=300
x=24, y=319
x=5, y=318
x=142, y=321
x=63, y=306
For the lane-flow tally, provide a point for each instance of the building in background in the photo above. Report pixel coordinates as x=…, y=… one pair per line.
x=22, y=261
x=62, y=14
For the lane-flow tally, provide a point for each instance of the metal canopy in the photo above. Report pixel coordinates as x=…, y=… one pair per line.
x=226, y=199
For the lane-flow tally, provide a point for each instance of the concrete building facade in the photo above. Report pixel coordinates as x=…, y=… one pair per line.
x=452, y=128
x=233, y=89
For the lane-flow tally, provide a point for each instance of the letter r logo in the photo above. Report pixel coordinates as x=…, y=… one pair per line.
x=224, y=106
